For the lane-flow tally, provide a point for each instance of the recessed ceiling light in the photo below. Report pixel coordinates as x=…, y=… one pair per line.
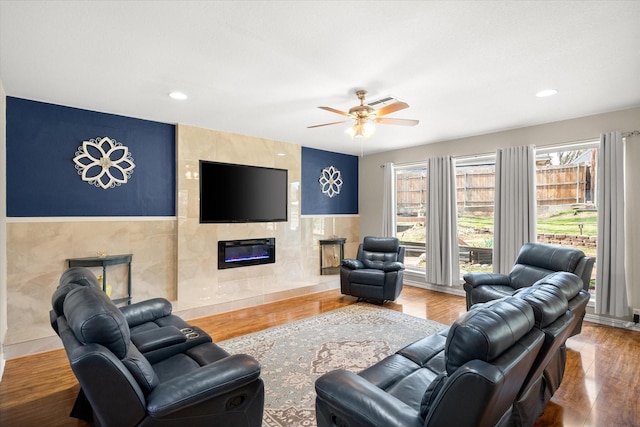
x=178, y=95
x=546, y=92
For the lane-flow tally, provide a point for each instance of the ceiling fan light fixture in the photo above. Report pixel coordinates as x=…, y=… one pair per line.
x=366, y=116
x=361, y=129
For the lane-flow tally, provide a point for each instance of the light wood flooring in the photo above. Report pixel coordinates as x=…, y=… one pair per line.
x=601, y=386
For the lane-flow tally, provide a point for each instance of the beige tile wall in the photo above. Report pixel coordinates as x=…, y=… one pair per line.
x=37, y=253
x=175, y=258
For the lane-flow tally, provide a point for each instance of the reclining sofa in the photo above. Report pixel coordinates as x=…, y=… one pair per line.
x=497, y=365
x=534, y=262
x=143, y=366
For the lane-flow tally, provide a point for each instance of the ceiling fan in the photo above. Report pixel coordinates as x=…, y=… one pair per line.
x=365, y=116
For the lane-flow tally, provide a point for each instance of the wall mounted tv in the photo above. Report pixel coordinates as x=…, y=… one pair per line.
x=240, y=193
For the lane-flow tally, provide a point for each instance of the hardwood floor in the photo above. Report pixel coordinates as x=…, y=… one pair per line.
x=600, y=388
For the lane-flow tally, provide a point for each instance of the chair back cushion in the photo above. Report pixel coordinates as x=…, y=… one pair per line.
x=94, y=318
x=72, y=278
x=568, y=283
x=378, y=250
x=486, y=331
x=548, y=302
x=536, y=260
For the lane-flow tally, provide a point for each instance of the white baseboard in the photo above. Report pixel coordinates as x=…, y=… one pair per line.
x=439, y=288
x=608, y=321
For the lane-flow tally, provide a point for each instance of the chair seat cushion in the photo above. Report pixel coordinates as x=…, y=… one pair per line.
x=368, y=276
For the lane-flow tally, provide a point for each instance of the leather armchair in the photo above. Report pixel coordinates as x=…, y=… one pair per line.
x=377, y=272
x=184, y=378
x=534, y=262
x=466, y=375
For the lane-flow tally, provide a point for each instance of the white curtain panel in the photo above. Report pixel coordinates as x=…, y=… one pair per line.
x=515, y=205
x=443, y=264
x=611, y=288
x=388, y=201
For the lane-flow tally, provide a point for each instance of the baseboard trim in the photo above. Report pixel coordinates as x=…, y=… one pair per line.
x=438, y=288
x=608, y=321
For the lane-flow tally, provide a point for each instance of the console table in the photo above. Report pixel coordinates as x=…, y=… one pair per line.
x=104, y=262
x=331, y=265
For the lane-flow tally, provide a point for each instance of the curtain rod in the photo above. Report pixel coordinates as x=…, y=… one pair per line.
x=623, y=134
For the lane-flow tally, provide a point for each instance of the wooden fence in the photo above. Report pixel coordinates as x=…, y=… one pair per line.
x=556, y=185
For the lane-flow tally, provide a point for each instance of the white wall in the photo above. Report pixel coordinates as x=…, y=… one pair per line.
x=3, y=224
x=583, y=128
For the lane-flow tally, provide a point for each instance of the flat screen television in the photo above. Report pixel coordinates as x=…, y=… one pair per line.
x=241, y=193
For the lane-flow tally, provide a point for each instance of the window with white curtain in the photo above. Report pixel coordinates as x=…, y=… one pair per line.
x=566, y=209
x=475, y=186
x=411, y=204
x=567, y=214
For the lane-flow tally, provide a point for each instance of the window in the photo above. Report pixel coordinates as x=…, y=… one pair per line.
x=566, y=210
x=475, y=185
x=565, y=190
x=411, y=203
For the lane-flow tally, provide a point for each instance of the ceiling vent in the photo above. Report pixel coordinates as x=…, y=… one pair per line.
x=386, y=100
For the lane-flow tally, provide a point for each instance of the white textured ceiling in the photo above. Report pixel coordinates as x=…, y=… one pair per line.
x=261, y=68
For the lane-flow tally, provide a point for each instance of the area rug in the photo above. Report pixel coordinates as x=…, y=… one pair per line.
x=294, y=355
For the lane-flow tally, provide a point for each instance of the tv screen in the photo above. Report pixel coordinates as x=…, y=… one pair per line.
x=241, y=193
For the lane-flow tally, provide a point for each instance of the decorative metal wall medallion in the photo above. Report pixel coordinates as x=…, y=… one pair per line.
x=330, y=181
x=104, y=162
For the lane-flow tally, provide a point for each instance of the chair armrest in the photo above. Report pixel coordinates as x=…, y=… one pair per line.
x=202, y=384
x=361, y=403
x=392, y=266
x=352, y=264
x=158, y=338
x=481, y=279
x=146, y=311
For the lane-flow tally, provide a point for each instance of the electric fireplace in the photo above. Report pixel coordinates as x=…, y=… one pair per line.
x=242, y=253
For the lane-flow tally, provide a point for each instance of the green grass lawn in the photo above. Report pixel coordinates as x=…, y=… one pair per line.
x=568, y=222
x=478, y=230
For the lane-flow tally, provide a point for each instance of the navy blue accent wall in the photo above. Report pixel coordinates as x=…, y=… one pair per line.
x=314, y=202
x=41, y=178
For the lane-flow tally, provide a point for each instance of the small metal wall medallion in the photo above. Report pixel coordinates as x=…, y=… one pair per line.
x=104, y=162
x=330, y=181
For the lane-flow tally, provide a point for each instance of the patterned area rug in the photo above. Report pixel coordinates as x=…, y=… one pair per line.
x=294, y=355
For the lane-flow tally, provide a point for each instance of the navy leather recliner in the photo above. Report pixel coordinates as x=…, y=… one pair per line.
x=377, y=272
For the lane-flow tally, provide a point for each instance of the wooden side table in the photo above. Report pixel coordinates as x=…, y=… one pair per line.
x=104, y=262
x=330, y=262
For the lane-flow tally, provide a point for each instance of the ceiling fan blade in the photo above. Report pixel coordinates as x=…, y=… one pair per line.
x=333, y=110
x=401, y=122
x=391, y=108
x=327, y=124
